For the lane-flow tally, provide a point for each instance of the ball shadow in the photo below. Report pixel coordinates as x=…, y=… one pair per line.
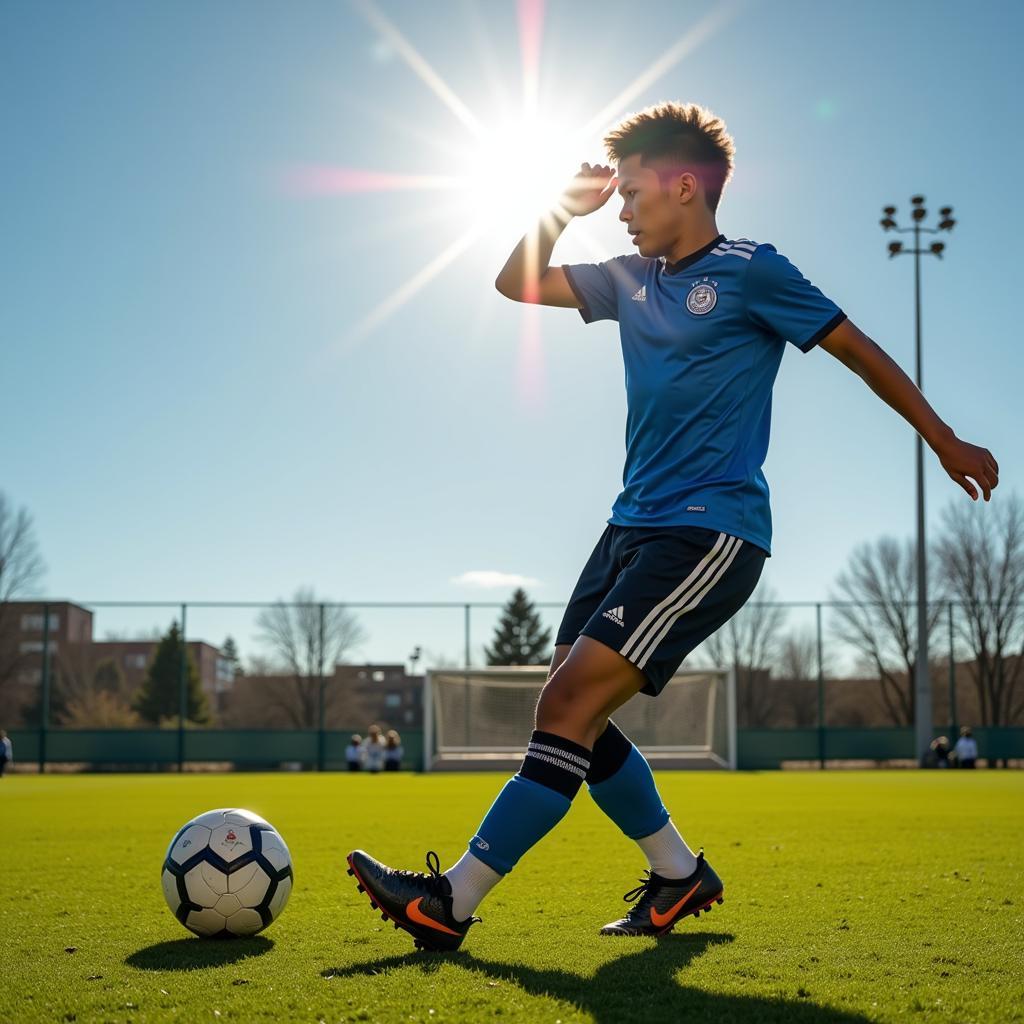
x=191, y=954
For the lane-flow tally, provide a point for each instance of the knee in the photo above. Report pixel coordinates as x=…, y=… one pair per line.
x=567, y=707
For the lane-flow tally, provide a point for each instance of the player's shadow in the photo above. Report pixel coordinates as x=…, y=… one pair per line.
x=635, y=986
x=190, y=954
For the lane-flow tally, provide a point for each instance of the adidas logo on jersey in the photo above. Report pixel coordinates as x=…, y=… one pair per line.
x=640, y=295
x=616, y=615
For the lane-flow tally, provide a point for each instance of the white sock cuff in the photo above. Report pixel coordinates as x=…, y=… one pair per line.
x=471, y=880
x=667, y=853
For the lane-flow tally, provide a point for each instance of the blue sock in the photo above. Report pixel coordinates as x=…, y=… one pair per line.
x=622, y=785
x=531, y=803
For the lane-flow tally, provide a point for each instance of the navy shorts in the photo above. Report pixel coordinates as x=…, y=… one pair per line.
x=654, y=593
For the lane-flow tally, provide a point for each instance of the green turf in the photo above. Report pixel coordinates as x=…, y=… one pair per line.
x=849, y=897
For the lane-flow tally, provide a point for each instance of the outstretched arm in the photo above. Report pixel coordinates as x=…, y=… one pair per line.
x=962, y=461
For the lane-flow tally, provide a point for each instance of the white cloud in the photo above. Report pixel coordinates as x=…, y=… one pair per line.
x=491, y=579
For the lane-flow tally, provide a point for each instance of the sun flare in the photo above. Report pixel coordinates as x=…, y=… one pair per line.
x=506, y=169
x=516, y=169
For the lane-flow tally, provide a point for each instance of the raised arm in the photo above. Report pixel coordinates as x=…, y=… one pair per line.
x=526, y=276
x=962, y=461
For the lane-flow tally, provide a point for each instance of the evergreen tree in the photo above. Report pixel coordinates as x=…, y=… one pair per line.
x=158, y=696
x=519, y=637
x=229, y=651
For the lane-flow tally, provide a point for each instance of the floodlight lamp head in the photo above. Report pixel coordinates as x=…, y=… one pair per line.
x=895, y=248
x=946, y=224
x=937, y=248
x=919, y=213
x=889, y=211
x=946, y=211
x=917, y=200
x=887, y=223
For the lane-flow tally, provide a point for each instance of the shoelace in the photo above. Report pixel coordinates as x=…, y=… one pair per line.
x=434, y=867
x=433, y=880
x=646, y=884
x=650, y=882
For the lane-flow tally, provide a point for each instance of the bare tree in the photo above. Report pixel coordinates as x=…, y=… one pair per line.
x=21, y=567
x=797, y=668
x=981, y=560
x=747, y=643
x=302, y=653
x=878, y=617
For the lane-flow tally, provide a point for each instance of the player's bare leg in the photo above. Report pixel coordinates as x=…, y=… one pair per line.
x=622, y=785
x=573, y=710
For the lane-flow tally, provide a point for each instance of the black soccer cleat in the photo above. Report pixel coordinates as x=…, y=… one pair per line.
x=419, y=903
x=661, y=902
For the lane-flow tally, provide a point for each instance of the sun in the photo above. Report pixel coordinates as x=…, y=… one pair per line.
x=515, y=170
x=509, y=167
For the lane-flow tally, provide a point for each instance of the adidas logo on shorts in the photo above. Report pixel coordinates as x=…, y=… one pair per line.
x=640, y=295
x=616, y=615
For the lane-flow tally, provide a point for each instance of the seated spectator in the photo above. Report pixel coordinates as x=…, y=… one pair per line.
x=355, y=754
x=393, y=752
x=966, y=749
x=937, y=754
x=374, y=750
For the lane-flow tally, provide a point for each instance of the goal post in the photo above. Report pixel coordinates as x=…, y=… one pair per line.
x=481, y=719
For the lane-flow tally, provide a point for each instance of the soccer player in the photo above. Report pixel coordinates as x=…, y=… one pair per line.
x=703, y=322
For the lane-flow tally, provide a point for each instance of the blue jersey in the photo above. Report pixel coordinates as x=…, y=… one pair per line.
x=702, y=341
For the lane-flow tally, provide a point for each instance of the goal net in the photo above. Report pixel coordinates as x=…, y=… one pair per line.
x=481, y=719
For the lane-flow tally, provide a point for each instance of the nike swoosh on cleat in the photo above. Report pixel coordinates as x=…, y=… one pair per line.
x=660, y=920
x=413, y=912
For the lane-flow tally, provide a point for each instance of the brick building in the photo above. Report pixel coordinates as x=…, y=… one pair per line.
x=355, y=696
x=381, y=694
x=74, y=655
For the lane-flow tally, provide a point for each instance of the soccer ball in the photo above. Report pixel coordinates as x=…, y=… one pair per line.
x=227, y=873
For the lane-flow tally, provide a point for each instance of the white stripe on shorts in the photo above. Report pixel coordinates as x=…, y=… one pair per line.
x=658, y=610
x=719, y=571
x=652, y=628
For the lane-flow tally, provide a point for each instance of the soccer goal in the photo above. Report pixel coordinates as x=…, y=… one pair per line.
x=481, y=719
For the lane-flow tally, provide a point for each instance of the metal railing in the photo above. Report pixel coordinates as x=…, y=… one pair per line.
x=456, y=621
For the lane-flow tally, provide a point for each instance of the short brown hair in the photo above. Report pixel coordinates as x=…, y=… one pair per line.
x=685, y=134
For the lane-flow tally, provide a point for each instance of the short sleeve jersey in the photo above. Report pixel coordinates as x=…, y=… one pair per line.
x=702, y=341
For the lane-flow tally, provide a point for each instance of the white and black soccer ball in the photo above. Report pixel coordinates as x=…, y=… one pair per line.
x=227, y=873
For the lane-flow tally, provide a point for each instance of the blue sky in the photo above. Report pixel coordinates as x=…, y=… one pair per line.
x=190, y=407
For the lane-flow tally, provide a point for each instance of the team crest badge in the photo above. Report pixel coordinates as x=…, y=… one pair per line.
x=702, y=298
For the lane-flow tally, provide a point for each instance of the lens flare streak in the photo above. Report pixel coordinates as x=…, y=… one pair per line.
x=483, y=171
x=700, y=32
x=531, y=32
x=419, y=64
x=398, y=298
x=320, y=181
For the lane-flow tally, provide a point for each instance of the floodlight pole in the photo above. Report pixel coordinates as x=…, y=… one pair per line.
x=922, y=681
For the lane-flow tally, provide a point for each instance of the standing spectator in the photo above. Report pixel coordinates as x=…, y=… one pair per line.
x=393, y=752
x=374, y=750
x=355, y=755
x=7, y=753
x=966, y=749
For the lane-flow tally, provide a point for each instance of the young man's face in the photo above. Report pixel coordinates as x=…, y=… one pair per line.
x=653, y=215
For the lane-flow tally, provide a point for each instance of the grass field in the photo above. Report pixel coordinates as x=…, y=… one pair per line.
x=849, y=897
